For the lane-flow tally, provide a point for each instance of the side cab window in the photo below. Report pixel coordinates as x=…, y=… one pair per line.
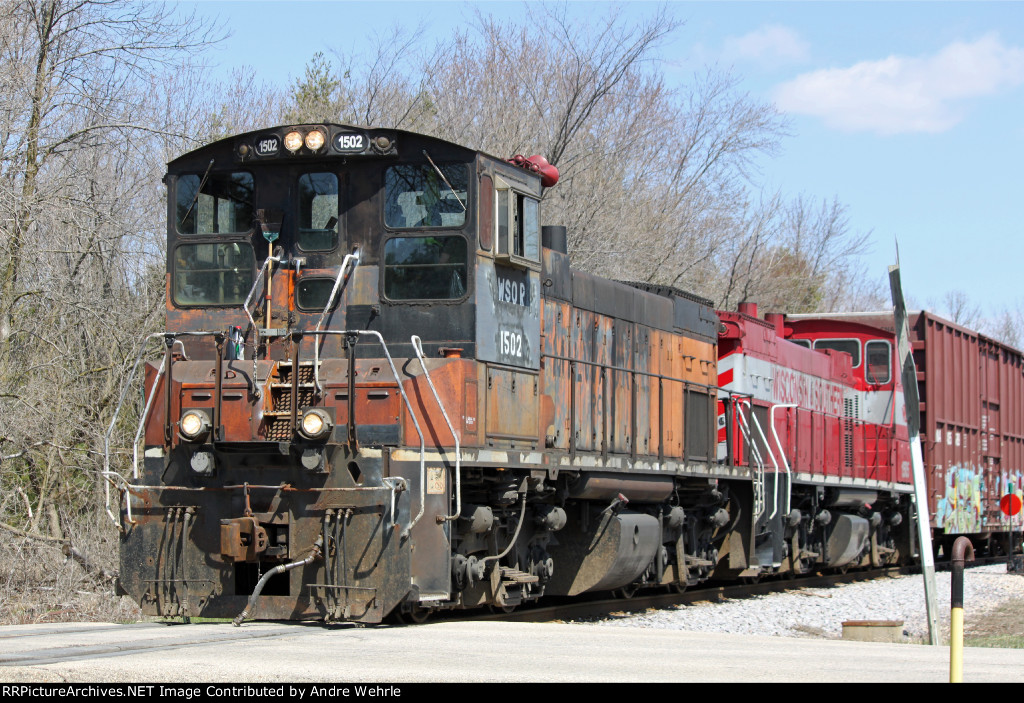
x=516, y=226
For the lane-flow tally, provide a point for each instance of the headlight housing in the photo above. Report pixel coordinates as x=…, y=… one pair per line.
x=315, y=424
x=315, y=140
x=293, y=141
x=194, y=424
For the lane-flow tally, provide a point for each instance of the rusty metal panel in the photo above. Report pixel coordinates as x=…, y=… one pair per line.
x=555, y=392
x=585, y=389
x=450, y=377
x=654, y=353
x=646, y=404
x=672, y=393
x=621, y=420
x=603, y=389
x=512, y=405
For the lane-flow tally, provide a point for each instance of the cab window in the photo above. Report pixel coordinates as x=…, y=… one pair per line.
x=878, y=355
x=425, y=268
x=318, y=212
x=214, y=203
x=517, y=224
x=422, y=196
x=212, y=274
x=850, y=346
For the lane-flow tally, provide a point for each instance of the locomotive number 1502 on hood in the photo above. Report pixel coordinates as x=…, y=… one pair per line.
x=511, y=343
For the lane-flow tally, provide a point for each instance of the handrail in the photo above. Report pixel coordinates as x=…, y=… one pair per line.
x=252, y=291
x=417, y=345
x=408, y=405
x=756, y=453
x=785, y=461
x=117, y=412
x=352, y=258
x=252, y=322
x=687, y=385
x=651, y=374
x=172, y=338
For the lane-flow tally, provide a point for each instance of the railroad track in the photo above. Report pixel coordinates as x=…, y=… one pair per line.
x=53, y=644
x=600, y=607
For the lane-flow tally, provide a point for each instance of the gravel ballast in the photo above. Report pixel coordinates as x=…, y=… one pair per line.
x=820, y=612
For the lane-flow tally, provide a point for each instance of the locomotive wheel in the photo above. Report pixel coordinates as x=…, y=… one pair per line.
x=502, y=609
x=417, y=615
x=677, y=587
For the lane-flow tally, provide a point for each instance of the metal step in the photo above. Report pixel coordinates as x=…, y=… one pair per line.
x=510, y=575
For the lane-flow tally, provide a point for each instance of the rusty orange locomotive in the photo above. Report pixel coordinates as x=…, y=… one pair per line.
x=384, y=391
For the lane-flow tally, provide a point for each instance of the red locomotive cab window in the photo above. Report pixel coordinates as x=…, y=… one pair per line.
x=850, y=346
x=878, y=355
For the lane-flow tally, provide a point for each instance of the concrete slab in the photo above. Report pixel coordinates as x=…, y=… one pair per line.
x=463, y=652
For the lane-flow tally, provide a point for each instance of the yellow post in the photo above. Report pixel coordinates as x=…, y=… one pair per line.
x=963, y=550
x=956, y=645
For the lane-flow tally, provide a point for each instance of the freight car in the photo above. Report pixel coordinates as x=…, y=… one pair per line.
x=972, y=413
x=384, y=391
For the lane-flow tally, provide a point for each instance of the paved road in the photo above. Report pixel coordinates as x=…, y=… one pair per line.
x=464, y=652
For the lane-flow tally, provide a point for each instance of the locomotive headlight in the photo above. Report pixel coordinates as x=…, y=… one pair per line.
x=315, y=424
x=194, y=424
x=315, y=140
x=293, y=141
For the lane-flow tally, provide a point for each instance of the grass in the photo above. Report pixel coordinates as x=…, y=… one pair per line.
x=1001, y=627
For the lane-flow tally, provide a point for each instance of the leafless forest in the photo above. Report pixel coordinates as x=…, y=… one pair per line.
x=658, y=184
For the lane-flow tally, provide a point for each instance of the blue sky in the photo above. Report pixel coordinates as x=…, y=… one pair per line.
x=911, y=113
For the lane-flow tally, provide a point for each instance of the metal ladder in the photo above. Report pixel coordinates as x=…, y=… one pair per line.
x=758, y=464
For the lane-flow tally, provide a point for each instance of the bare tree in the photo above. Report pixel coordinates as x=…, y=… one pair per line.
x=958, y=307
x=81, y=239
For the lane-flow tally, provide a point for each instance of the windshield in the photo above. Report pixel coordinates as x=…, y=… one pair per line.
x=213, y=274
x=417, y=196
x=214, y=203
x=425, y=268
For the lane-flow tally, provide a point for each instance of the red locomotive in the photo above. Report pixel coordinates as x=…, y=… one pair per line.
x=820, y=449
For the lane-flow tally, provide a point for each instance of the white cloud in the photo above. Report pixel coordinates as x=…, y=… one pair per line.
x=901, y=94
x=771, y=43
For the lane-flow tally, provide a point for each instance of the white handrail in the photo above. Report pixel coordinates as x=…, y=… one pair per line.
x=352, y=258
x=771, y=455
x=113, y=421
x=756, y=453
x=412, y=414
x=785, y=461
x=417, y=345
x=252, y=291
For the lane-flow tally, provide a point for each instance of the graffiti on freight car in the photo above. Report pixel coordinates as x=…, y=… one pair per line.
x=960, y=509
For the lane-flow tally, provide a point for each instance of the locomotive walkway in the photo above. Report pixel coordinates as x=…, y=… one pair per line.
x=465, y=652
